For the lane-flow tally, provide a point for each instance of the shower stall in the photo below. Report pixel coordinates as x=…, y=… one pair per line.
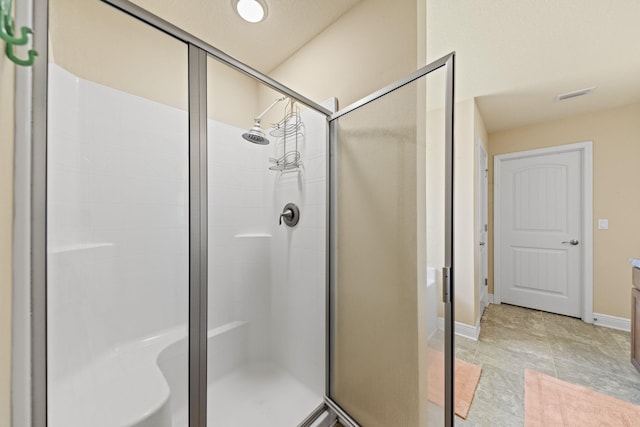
x=212, y=248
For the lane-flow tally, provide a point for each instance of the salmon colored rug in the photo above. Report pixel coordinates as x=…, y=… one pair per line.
x=466, y=378
x=549, y=402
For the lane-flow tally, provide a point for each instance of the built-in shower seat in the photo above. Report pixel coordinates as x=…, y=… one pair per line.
x=126, y=387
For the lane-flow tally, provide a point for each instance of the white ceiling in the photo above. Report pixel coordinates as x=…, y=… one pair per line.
x=515, y=56
x=289, y=25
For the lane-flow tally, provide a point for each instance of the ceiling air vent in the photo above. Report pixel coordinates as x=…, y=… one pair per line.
x=575, y=94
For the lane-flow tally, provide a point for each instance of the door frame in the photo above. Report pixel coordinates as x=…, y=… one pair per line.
x=483, y=294
x=586, y=159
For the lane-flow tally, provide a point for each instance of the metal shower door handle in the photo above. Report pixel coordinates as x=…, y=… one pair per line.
x=572, y=242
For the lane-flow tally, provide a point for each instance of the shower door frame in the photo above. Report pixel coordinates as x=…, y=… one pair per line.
x=198, y=51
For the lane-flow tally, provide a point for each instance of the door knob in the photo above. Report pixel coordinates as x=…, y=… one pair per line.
x=572, y=242
x=482, y=243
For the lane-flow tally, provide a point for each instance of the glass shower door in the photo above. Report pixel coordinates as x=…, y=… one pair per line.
x=117, y=220
x=391, y=337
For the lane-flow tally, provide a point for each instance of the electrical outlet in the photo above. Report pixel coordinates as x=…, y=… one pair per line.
x=603, y=224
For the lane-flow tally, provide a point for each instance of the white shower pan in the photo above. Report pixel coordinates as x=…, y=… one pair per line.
x=145, y=384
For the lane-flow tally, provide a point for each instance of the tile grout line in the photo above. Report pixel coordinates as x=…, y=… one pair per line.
x=626, y=350
x=610, y=335
x=553, y=357
x=548, y=341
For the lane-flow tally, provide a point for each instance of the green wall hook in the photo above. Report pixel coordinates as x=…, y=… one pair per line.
x=24, y=62
x=8, y=34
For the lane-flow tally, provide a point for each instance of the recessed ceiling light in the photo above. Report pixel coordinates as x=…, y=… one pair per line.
x=252, y=11
x=575, y=94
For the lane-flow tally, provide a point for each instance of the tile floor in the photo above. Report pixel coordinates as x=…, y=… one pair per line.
x=514, y=338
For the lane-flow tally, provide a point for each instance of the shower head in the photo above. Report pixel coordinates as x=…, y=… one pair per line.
x=255, y=134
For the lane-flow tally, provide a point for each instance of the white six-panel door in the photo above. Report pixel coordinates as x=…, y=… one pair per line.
x=540, y=226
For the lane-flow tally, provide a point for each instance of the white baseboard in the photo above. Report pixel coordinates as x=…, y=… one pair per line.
x=490, y=299
x=462, y=329
x=612, y=322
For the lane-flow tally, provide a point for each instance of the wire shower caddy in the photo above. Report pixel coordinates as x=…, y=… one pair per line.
x=289, y=134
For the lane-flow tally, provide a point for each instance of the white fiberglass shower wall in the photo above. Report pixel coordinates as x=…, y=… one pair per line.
x=118, y=251
x=118, y=238
x=267, y=282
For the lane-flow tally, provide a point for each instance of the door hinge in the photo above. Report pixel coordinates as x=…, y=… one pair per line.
x=486, y=227
x=486, y=282
x=446, y=285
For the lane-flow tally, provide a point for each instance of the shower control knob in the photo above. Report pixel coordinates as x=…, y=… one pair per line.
x=287, y=215
x=290, y=214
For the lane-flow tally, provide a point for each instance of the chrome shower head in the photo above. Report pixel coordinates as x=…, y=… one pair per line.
x=256, y=135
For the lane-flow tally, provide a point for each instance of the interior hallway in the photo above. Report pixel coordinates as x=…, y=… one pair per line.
x=514, y=338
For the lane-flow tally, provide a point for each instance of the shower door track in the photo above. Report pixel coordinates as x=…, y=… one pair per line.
x=198, y=51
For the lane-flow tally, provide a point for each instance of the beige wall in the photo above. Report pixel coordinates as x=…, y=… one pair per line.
x=99, y=43
x=616, y=153
x=372, y=45
x=139, y=60
x=463, y=224
x=232, y=97
x=7, y=76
